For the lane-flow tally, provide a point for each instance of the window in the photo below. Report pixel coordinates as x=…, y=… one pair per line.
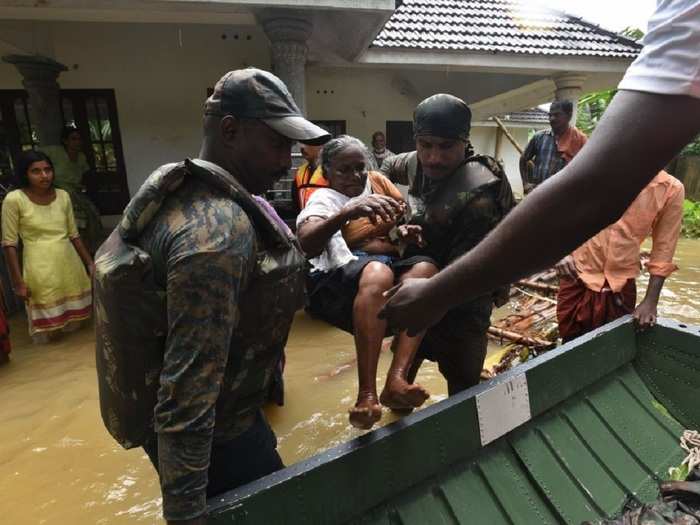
x=94, y=113
x=6, y=167
x=399, y=136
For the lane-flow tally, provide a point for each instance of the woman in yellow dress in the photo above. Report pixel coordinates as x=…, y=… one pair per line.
x=53, y=282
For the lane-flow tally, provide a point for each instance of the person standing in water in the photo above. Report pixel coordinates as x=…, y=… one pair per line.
x=70, y=170
x=53, y=280
x=232, y=278
x=457, y=198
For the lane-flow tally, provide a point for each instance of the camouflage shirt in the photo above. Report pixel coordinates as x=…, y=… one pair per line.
x=456, y=213
x=225, y=333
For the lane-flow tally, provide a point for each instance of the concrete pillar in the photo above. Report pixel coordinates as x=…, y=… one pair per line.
x=289, y=34
x=568, y=87
x=40, y=75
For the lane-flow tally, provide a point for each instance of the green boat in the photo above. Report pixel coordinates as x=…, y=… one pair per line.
x=567, y=437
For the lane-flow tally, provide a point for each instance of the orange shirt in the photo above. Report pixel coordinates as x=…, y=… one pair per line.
x=613, y=254
x=305, y=183
x=358, y=231
x=570, y=143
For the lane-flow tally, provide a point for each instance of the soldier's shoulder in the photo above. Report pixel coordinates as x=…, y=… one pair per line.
x=484, y=169
x=209, y=210
x=197, y=219
x=398, y=161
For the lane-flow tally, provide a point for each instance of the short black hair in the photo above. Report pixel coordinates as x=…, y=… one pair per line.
x=67, y=131
x=24, y=161
x=565, y=105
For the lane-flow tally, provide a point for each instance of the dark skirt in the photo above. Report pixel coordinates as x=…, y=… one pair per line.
x=331, y=295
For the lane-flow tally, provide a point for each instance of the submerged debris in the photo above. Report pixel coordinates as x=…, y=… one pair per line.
x=531, y=327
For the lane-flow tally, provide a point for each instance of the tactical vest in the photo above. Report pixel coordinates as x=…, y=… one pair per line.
x=475, y=172
x=131, y=308
x=437, y=205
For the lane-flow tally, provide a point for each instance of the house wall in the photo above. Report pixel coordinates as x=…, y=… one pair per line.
x=484, y=140
x=161, y=72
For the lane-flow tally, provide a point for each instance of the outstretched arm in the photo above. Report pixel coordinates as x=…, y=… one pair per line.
x=638, y=135
x=645, y=313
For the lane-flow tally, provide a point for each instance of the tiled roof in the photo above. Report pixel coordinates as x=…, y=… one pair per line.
x=498, y=26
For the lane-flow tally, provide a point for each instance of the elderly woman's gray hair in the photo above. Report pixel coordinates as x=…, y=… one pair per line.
x=339, y=144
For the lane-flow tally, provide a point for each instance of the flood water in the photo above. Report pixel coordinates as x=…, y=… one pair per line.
x=58, y=464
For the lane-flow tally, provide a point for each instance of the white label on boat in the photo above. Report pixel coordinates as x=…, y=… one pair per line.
x=502, y=408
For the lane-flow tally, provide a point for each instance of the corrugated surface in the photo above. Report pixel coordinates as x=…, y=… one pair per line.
x=596, y=436
x=498, y=26
x=578, y=462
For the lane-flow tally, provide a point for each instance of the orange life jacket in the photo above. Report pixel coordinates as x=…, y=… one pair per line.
x=305, y=183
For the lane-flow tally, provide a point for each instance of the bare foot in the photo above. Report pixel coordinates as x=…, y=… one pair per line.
x=366, y=412
x=400, y=395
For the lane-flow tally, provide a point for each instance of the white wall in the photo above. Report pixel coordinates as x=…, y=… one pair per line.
x=160, y=74
x=367, y=98
x=484, y=141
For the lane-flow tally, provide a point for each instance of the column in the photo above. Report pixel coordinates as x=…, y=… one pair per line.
x=40, y=79
x=568, y=87
x=289, y=34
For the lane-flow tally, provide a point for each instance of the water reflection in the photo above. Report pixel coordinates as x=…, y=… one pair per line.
x=58, y=464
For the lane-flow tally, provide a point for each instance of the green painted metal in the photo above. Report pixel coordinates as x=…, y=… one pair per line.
x=596, y=437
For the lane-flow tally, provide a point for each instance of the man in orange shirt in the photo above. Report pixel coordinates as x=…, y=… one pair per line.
x=551, y=149
x=597, y=281
x=308, y=177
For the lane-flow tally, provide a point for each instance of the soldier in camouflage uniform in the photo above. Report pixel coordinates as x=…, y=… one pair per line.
x=233, y=278
x=457, y=198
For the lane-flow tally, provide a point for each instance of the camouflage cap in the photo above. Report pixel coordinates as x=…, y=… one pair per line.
x=444, y=116
x=256, y=94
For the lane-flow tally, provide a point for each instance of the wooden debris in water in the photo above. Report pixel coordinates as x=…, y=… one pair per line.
x=531, y=327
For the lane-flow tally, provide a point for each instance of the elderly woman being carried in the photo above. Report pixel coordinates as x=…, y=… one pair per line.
x=353, y=233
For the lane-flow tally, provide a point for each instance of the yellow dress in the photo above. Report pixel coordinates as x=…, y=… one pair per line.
x=59, y=286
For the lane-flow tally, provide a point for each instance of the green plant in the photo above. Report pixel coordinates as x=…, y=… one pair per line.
x=591, y=107
x=632, y=33
x=691, y=219
x=692, y=148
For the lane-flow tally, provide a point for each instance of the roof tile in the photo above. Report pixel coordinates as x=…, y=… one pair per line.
x=507, y=26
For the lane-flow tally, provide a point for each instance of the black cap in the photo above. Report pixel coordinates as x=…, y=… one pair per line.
x=443, y=116
x=257, y=94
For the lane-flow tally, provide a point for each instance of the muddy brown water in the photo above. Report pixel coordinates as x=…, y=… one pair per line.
x=58, y=464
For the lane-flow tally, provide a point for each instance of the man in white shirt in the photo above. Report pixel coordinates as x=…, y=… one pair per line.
x=655, y=113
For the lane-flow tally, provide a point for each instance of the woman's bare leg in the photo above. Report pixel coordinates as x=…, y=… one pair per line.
x=399, y=393
x=369, y=332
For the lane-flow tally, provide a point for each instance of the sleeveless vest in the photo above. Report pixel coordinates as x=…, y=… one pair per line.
x=131, y=308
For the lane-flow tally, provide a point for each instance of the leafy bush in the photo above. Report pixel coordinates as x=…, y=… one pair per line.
x=691, y=219
x=591, y=108
x=692, y=149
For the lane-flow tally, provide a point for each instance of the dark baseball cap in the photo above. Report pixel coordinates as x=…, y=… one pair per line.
x=444, y=116
x=256, y=94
